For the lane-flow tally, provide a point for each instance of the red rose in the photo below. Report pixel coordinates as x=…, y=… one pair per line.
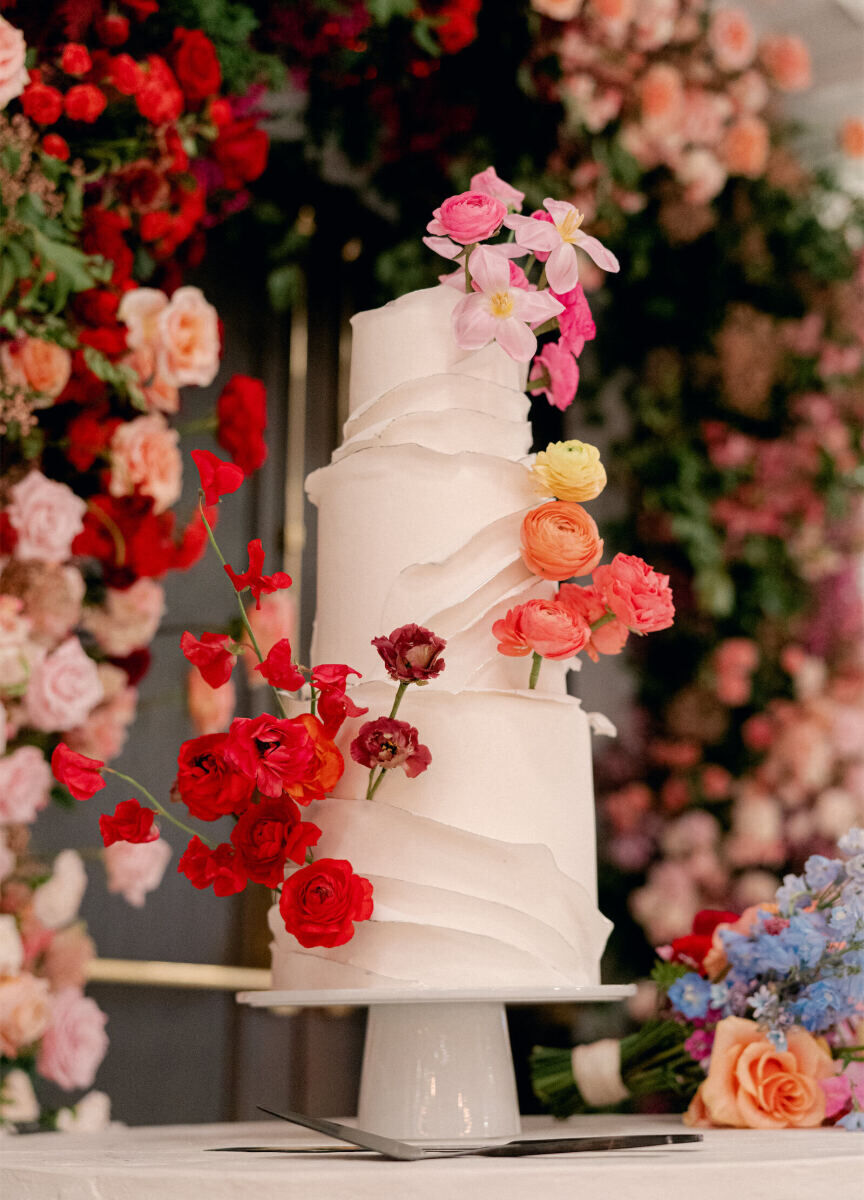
x=241, y=151
x=320, y=903
x=112, y=29
x=270, y=833
x=156, y=225
x=97, y=306
x=75, y=59
x=87, y=436
x=126, y=75
x=79, y=773
x=195, y=64
x=207, y=784
x=279, y=668
x=242, y=417
x=159, y=98
x=457, y=30
x=103, y=234
x=142, y=8
x=129, y=823
x=210, y=655
x=84, y=102
x=639, y=597
x=220, y=112
x=411, y=654
x=253, y=579
x=388, y=743
x=219, y=868
x=42, y=104
x=55, y=146
x=110, y=342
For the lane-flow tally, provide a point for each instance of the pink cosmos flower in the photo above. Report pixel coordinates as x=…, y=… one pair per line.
x=498, y=311
x=559, y=238
x=559, y=371
x=489, y=183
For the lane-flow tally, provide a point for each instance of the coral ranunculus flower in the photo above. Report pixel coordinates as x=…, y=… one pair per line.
x=320, y=903
x=543, y=626
x=640, y=598
x=560, y=540
x=753, y=1085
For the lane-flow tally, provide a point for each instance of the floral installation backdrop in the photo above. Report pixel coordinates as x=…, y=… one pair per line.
x=126, y=132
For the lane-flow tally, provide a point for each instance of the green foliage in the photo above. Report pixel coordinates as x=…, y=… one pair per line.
x=664, y=974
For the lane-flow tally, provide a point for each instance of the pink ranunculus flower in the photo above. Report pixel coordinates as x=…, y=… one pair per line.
x=13, y=73
x=559, y=239
x=489, y=183
x=128, y=618
x=63, y=688
x=498, y=311
x=640, y=598
x=732, y=39
x=543, y=626
x=47, y=516
x=559, y=371
x=586, y=603
x=188, y=339
x=787, y=61
x=210, y=709
x=745, y=147
x=24, y=1012
x=145, y=457
x=136, y=868
x=25, y=782
x=56, y=902
x=75, y=1042
x=468, y=217
x=575, y=322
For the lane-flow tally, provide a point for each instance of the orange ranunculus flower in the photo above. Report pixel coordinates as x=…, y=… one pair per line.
x=560, y=540
x=326, y=767
x=753, y=1085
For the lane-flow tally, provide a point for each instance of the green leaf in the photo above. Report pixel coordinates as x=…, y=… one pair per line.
x=282, y=286
x=61, y=795
x=8, y=276
x=82, y=271
x=664, y=974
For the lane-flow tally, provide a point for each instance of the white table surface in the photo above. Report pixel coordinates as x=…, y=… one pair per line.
x=173, y=1163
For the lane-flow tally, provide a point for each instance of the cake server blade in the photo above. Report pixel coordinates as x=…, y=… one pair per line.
x=405, y=1152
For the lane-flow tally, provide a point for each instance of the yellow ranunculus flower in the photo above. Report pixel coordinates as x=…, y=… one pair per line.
x=570, y=471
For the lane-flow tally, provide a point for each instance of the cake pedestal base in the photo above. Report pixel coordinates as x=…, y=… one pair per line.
x=438, y=1064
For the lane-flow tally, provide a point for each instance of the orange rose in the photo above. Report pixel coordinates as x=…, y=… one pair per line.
x=753, y=1085
x=560, y=540
x=46, y=366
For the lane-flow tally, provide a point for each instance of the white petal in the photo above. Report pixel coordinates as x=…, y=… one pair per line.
x=562, y=269
x=514, y=336
x=595, y=250
x=489, y=271
x=534, y=234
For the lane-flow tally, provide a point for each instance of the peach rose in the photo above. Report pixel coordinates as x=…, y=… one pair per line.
x=661, y=92
x=210, y=709
x=145, y=457
x=787, y=61
x=136, y=868
x=13, y=73
x=24, y=1012
x=75, y=1042
x=46, y=365
x=188, y=339
x=128, y=618
x=67, y=958
x=745, y=147
x=25, y=781
x=47, y=517
x=753, y=1085
x=654, y=23
x=732, y=39
x=139, y=310
x=161, y=396
x=51, y=596
x=63, y=688
x=852, y=137
x=559, y=540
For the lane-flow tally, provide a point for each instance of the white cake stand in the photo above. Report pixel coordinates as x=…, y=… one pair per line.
x=438, y=1064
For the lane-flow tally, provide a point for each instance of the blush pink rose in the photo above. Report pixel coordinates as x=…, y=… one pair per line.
x=145, y=458
x=139, y=310
x=787, y=61
x=75, y=1042
x=128, y=618
x=188, y=339
x=24, y=1012
x=67, y=958
x=103, y=734
x=639, y=597
x=46, y=365
x=25, y=782
x=136, y=868
x=556, y=373
x=749, y=92
x=702, y=174
x=745, y=147
x=13, y=73
x=56, y=902
x=544, y=627
x=732, y=39
x=47, y=517
x=63, y=688
x=210, y=709
x=468, y=217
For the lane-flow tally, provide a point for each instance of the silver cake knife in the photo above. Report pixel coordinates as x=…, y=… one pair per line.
x=405, y=1152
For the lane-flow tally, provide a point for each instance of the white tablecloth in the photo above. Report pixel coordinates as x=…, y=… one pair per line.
x=174, y=1163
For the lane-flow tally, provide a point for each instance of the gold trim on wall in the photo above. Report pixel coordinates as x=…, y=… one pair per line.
x=207, y=976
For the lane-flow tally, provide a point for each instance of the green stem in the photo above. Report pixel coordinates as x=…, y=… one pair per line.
x=397, y=699
x=536, y=664
x=202, y=425
x=160, y=808
x=375, y=783
x=468, y=250
x=243, y=614
x=604, y=620
x=541, y=282
x=547, y=326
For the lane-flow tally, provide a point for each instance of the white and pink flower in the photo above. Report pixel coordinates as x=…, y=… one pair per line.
x=498, y=311
x=489, y=183
x=47, y=517
x=559, y=239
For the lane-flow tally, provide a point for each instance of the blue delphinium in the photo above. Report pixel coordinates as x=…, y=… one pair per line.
x=691, y=995
x=853, y=1121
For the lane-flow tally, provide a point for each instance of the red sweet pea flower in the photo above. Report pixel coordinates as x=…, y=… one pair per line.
x=84, y=102
x=79, y=773
x=75, y=59
x=253, y=579
x=388, y=743
x=210, y=656
x=220, y=868
x=320, y=903
x=267, y=835
x=130, y=823
x=332, y=676
x=692, y=948
x=279, y=669
x=196, y=64
x=142, y=8
x=218, y=478
x=334, y=708
x=206, y=783
x=242, y=418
